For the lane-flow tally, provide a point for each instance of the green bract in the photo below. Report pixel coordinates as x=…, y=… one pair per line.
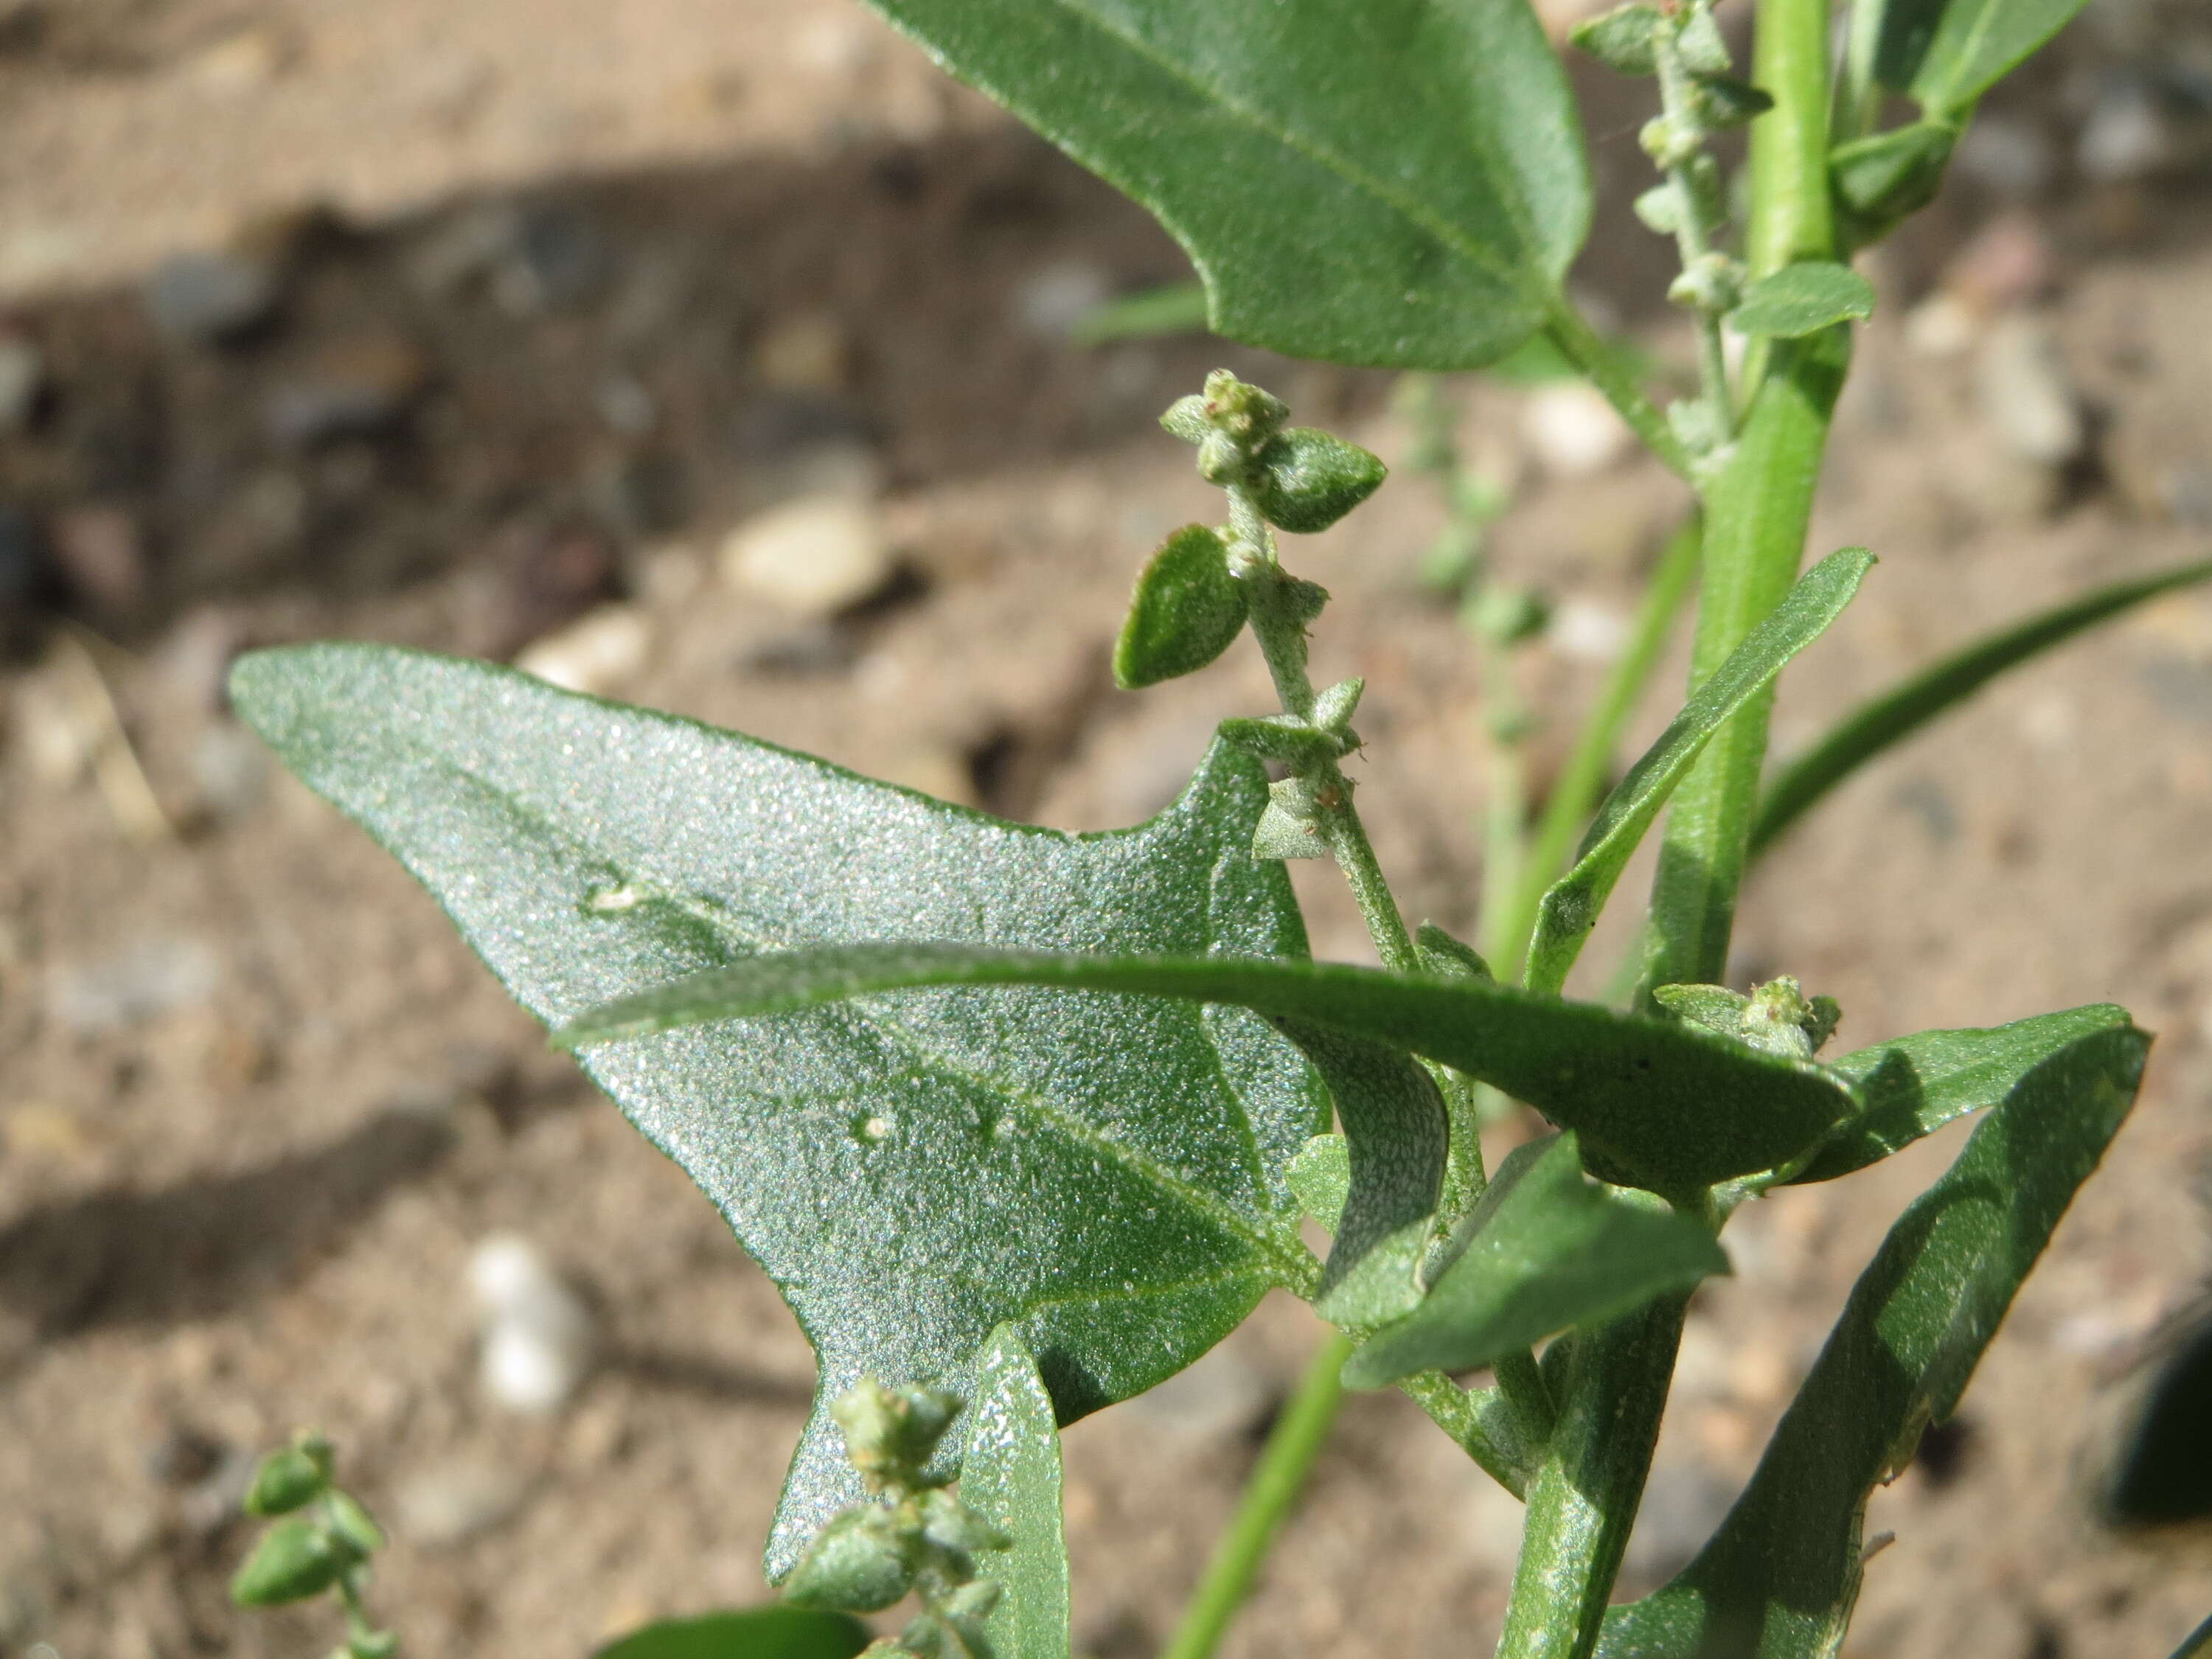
x=1187, y=610
x=1307, y=479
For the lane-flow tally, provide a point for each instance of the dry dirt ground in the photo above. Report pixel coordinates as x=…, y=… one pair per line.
x=533, y=300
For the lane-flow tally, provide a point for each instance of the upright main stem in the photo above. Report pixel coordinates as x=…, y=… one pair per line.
x=1757, y=507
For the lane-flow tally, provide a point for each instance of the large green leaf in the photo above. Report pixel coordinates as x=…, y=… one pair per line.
x=1399, y=183
x=1777, y=1581
x=911, y=1173
x=1947, y=53
x=1571, y=907
x=1547, y=1250
x=771, y=1633
x=1676, y=1107
x=1397, y=1141
x=1010, y=1475
x=1915, y=1085
x=1895, y=715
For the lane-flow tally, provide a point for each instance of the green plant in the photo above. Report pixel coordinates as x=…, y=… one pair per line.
x=319, y=1542
x=1034, y=1119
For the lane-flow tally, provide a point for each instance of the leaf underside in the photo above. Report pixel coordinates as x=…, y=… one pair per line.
x=1545, y=1250
x=1668, y=1106
x=1010, y=1475
x=1778, y=1579
x=1399, y=183
x=906, y=1170
x=1947, y=53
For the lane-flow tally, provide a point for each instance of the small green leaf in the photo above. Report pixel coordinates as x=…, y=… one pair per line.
x=1677, y=1108
x=291, y=1478
x=1625, y=39
x=1448, y=957
x=1396, y=1140
x=1778, y=1579
x=1308, y=479
x=1547, y=1250
x=1895, y=715
x=910, y=1173
x=1285, y=739
x=1399, y=183
x=1947, y=53
x=296, y=1558
x=861, y=1562
x=1886, y=178
x=1571, y=907
x=1803, y=299
x=1187, y=610
x=770, y=1633
x=1010, y=1476
x=1723, y=101
x=1915, y=1085
x=2197, y=1644
x=356, y=1530
x=1703, y=49
x=1321, y=1177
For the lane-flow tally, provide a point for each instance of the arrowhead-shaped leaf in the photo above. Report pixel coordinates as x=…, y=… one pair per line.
x=1778, y=1579
x=1947, y=53
x=1186, y=611
x=1569, y=909
x=913, y=1172
x=771, y=1633
x=1010, y=1475
x=1675, y=1107
x=1547, y=1250
x=1399, y=183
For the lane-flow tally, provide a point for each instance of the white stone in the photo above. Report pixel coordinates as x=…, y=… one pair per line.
x=813, y=557
x=2023, y=394
x=1051, y=302
x=1572, y=431
x=1586, y=631
x=596, y=654
x=538, y=1338
x=2125, y=137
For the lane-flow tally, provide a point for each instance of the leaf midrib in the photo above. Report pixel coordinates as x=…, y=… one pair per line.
x=1441, y=229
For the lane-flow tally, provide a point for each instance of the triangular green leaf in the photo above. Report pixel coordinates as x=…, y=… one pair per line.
x=1397, y=1141
x=1010, y=1475
x=1886, y=177
x=1947, y=53
x=906, y=1171
x=1778, y=1579
x=1675, y=1107
x=771, y=1633
x=1571, y=907
x=1187, y=610
x=1546, y=1250
x=1895, y=715
x=1308, y=479
x=1803, y=299
x=1399, y=183
x=1915, y=1085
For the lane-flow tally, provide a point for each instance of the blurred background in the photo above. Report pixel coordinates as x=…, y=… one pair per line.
x=719, y=355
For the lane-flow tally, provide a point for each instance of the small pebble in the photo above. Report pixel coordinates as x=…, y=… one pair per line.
x=22, y=378
x=1572, y=431
x=1584, y=630
x=100, y=553
x=211, y=298
x=538, y=1338
x=2024, y=396
x=1051, y=302
x=238, y=64
x=597, y=654
x=355, y=388
x=813, y=557
x=2125, y=138
x=556, y=262
x=2008, y=262
x=230, y=771
x=151, y=976
x=456, y=1501
x=808, y=352
x=626, y=405
x=2011, y=157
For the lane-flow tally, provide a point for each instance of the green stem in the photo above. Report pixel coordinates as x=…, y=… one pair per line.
x=1581, y=780
x=1292, y=1445
x=1584, y=1500
x=1582, y=346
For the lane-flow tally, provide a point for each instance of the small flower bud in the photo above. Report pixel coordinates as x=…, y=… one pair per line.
x=1712, y=284
x=1222, y=459
x=951, y=1524
x=861, y=1562
x=291, y=1478
x=1186, y=419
